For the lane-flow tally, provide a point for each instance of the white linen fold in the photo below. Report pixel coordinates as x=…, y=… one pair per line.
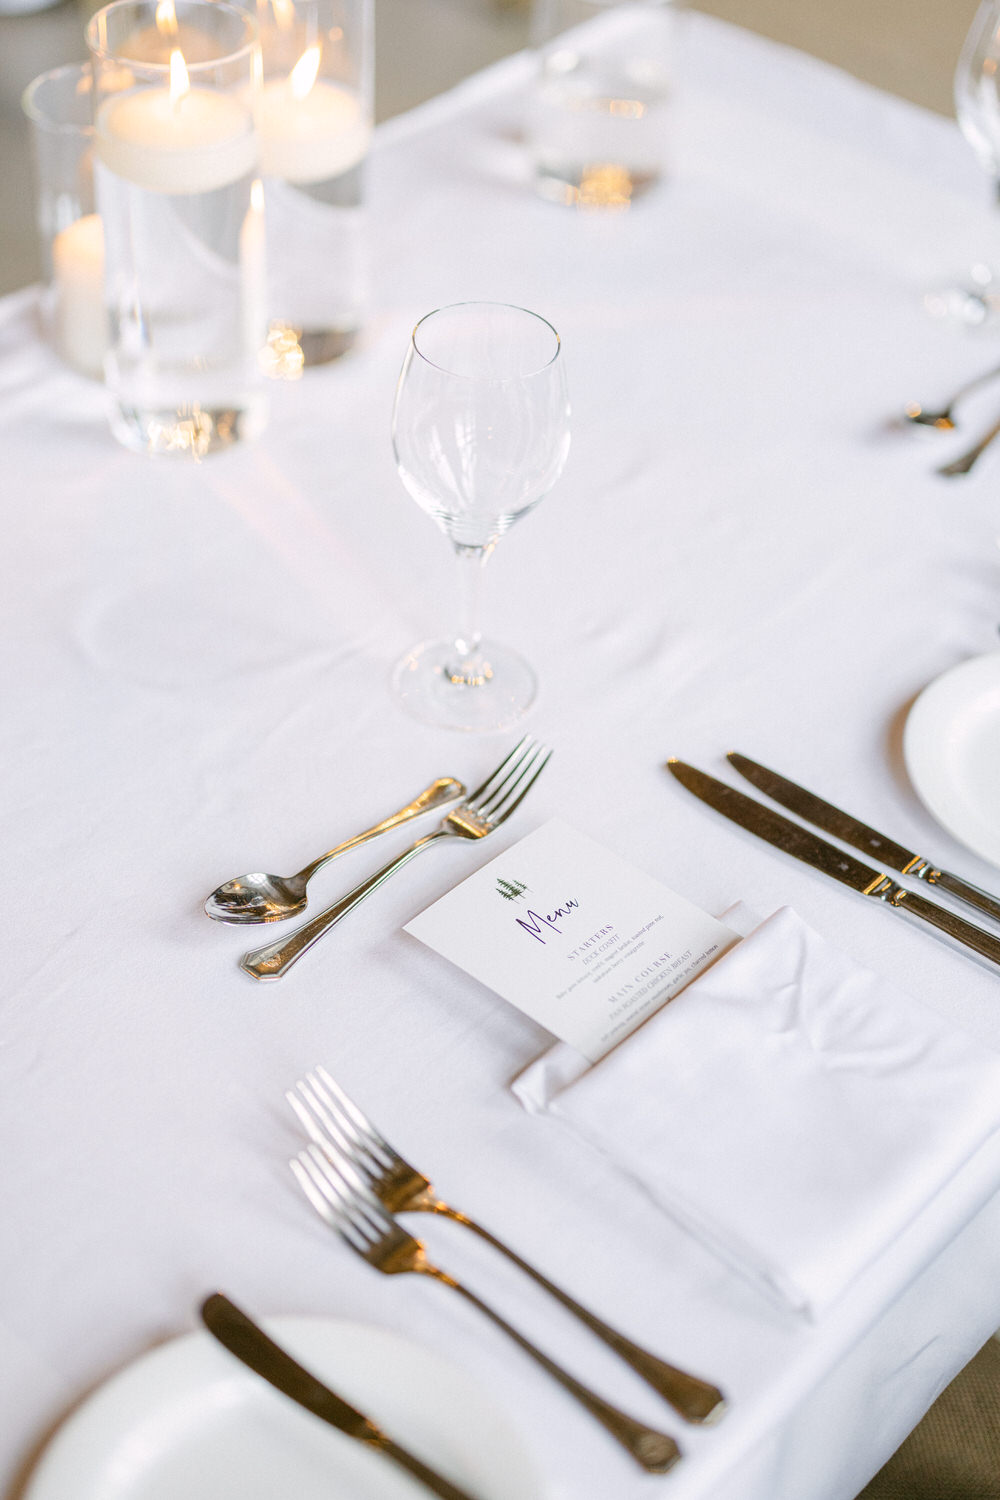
x=792, y=1109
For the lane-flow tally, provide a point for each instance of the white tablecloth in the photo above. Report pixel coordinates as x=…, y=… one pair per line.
x=194, y=683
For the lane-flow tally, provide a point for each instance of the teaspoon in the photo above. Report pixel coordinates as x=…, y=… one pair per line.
x=270, y=898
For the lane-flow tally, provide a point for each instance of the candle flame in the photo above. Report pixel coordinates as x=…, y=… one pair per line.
x=284, y=13
x=179, y=82
x=303, y=75
x=166, y=18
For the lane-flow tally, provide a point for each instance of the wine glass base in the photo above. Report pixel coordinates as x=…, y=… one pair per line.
x=427, y=682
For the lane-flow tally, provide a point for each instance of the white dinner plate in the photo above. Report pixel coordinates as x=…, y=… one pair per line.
x=951, y=745
x=189, y=1422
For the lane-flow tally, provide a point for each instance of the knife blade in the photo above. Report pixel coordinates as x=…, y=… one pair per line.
x=814, y=810
x=813, y=850
x=242, y=1337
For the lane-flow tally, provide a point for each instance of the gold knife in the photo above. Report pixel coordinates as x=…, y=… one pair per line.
x=809, y=847
x=814, y=810
x=241, y=1336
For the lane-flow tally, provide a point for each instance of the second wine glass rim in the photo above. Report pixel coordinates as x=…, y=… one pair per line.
x=472, y=302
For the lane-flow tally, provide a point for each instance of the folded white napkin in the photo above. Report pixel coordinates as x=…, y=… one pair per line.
x=791, y=1108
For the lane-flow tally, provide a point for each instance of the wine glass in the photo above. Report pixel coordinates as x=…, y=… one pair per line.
x=977, y=108
x=480, y=431
x=976, y=102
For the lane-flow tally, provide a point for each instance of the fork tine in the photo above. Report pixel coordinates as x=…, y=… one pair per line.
x=325, y=1182
x=349, y=1114
x=340, y=1176
x=330, y=1126
x=519, y=751
x=318, y=1124
x=331, y=1200
x=533, y=770
x=485, y=805
x=327, y=1125
x=489, y=804
x=312, y=1185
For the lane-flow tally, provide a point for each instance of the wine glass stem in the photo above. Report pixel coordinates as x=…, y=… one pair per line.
x=469, y=667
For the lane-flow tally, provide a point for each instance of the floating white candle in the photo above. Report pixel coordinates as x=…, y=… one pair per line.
x=79, y=320
x=310, y=129
x=177, y=139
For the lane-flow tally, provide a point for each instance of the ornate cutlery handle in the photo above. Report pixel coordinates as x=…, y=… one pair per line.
x=446, y=789
x=276, y=958
x=964, y=890
x=970, y=936
x=655, y=1451
x=696, y=1400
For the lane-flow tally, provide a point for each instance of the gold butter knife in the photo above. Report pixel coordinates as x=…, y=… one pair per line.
x=242, y=1337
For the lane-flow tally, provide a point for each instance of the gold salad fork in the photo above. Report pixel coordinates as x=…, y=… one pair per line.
x=480, y=814
x=340, y=1197
x=341, y=1129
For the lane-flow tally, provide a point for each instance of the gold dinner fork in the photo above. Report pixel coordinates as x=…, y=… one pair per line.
x=340, y=1197
x=480, y=814
x=342, y=1129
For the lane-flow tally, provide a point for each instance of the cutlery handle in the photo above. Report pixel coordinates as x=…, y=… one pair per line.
x=276, y=958
x=446, y=789
x=436, y=1483
x=983, y=943
x=653, y=1450
x=977, y=380
x=696, y=1400
x=962, y=465
x=964, y=890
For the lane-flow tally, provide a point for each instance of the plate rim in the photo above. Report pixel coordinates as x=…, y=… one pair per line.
x=78, y=1434
x=921, y=731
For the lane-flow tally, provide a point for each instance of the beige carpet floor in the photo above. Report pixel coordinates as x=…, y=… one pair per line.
x=954, y=1453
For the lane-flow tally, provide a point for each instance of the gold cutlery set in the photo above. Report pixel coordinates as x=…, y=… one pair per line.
x=361, y=1157
x=358, y=1183
x=256, y=897
x=794, y=839
x=269, y=898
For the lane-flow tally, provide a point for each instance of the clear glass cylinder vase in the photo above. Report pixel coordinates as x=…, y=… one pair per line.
x=314, y=120
x=179, y=194
x=58, y=105
x=597, y=125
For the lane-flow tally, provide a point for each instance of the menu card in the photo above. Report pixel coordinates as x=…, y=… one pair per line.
x=573, y=936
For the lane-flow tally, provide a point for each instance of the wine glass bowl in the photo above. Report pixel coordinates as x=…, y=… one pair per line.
x=480, y=433
x=977, y=101
x=977, y=108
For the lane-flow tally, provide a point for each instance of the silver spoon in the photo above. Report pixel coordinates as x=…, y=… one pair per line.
x=963, y=464
x=943, y=419
x=270, y=898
